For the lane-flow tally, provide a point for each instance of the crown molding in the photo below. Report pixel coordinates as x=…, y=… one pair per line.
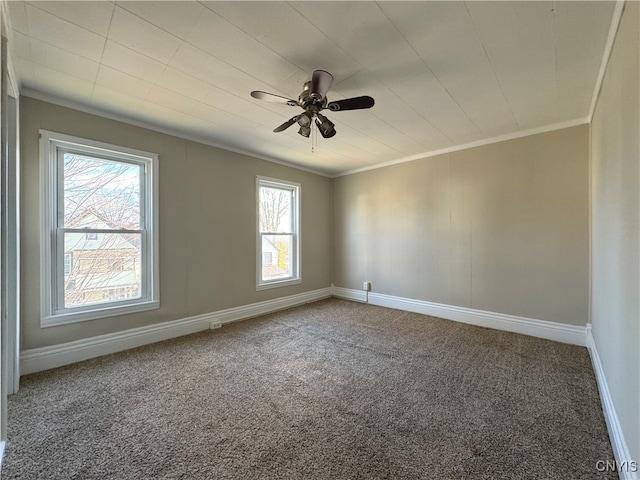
x=56, y=100
x=45, y=97
x=465, y=146
x=613, y=31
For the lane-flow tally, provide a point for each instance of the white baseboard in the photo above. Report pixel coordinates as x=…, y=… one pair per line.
x=38, y=359
x=349, y=294
x=627, y=468
x=558, y=332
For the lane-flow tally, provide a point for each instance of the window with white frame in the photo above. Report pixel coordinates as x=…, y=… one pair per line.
x=278, y=242
x=99, y=235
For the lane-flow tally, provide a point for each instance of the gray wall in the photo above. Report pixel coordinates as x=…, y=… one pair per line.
x=615, y=257
x=207, y=224
x=501, y=228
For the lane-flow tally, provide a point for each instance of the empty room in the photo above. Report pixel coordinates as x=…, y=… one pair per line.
x=320, y=240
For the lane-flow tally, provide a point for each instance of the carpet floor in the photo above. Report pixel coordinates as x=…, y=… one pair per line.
x=328, y=390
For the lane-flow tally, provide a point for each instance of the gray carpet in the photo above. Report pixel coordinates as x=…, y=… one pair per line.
x=329, y=390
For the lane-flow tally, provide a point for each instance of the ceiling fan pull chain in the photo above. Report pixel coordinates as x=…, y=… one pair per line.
x=314, y=140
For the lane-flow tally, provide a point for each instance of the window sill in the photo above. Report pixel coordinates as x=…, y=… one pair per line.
x=96, y=313
x=278, y=283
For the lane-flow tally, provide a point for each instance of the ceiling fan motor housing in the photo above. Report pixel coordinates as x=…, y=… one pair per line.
x=311, y=102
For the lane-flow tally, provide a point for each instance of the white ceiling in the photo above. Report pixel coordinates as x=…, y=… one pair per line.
x=442, y=73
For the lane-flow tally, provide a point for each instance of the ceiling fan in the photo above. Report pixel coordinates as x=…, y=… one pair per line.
x=313, y=99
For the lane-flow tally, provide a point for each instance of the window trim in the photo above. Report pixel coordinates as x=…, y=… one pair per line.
x=50, y=312
x=296, y=233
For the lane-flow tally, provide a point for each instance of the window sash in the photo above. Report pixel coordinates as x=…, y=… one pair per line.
x=53, y=147
x=294, y=277
x=293, y=268
x=59, y=285
x=291, y=192
x=144, y=172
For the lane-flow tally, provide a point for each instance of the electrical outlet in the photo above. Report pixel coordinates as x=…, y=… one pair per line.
x=214, y=325
x=366, y=286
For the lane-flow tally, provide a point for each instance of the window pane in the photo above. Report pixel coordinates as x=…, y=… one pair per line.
x=277, y=254
x=104, y=269
x=275, y=210
x=100, y=193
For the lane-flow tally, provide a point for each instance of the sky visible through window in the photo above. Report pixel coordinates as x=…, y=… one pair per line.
x=105, y=188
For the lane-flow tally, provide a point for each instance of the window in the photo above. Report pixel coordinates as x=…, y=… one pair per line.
x=278, y=241
x=99, y=240
x=67, y=265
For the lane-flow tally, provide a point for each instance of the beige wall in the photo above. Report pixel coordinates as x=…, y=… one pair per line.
x=615, y=151
x=500, y=228
x=207, y=224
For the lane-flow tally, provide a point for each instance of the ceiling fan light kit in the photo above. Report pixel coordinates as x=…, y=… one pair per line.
x=313, y=99
x=304, y=119
x=305, y=131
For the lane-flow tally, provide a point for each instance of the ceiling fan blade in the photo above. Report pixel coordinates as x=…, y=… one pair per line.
x=355, y=103
x=286, y=124
x=321, y=82
x=271, y=97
